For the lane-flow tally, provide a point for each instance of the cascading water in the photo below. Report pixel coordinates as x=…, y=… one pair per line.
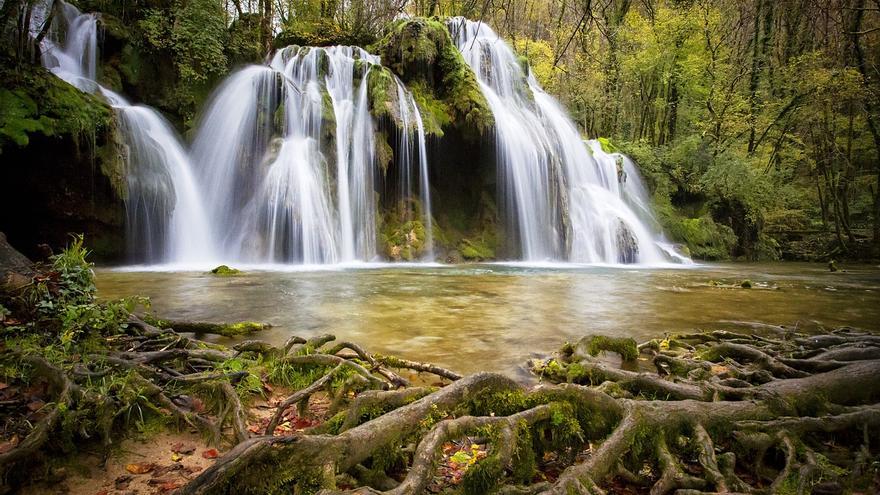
x=164, y=217
x=411, y=119
x=282, y=184
x=75, y=60
x=563, y=199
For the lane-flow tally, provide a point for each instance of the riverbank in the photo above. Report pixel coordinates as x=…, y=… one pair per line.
x=97, y=400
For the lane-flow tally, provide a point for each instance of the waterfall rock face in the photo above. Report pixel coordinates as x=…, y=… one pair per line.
x=323, y=155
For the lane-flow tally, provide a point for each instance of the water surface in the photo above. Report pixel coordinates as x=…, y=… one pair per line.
x=494, y=317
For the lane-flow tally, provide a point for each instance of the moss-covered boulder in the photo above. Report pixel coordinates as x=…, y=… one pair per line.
x=421, y=52
x=62, y=164
x=403, y=239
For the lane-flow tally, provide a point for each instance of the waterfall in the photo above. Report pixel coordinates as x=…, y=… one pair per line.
x=563, y=199
x=165, y=219
x=411, y=120
x=74, y=60
x=286, y=153
x=283, y=165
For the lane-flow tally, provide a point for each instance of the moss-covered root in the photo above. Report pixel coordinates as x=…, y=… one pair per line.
x=202, y=327
x=625, y=347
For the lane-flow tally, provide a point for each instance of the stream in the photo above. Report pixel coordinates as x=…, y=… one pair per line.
x=495, y=316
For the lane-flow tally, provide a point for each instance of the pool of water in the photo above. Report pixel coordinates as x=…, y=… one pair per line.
x=494, y=317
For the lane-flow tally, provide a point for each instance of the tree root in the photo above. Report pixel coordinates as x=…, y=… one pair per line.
x=715, y=401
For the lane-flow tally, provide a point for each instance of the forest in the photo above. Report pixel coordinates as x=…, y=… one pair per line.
x=440, y=246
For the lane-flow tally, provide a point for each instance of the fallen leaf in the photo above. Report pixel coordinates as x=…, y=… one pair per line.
x=176, y=457
x=139, y=468
x=35, y=405
x=3, y=385
x=210, y=454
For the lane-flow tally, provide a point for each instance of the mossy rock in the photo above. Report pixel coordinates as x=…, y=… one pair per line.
x=33, y=100
x=704, y=238
x=405, y=241
x=421, y=52
x=382, y=93
x=477, y=249
x=224, y=271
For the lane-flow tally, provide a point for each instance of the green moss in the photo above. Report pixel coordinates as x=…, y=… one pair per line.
x=504, y=403
x=435, y=113
x=624, y=346
x=421, y=52
x=225, y=329
x=483, y=476
x=704, y=238
x=746, y=284
x=404, y=241
x=225, y=271
x=606, y=145
x=380, y=90
x=384, y=152
x=478, y=249
x=32, y=100
x=524, y=460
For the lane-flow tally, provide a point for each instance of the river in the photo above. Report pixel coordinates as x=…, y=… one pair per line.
x=496, y=316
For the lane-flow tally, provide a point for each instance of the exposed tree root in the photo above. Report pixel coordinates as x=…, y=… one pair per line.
x=723, y=413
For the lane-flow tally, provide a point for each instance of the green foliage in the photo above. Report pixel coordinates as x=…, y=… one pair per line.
x=194, y=33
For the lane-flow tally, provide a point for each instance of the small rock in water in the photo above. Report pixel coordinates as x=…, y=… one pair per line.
x=746, y=284
x=225, y=270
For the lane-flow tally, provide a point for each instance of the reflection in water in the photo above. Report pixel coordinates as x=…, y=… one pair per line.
x=494, y=317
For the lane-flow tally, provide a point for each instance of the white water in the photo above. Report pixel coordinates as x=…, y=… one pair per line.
x=411, y=119
x=164, y=216
x=546, y=170
x=281, y=187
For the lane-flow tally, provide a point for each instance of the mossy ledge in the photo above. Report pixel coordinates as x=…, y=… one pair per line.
x=421, y=52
